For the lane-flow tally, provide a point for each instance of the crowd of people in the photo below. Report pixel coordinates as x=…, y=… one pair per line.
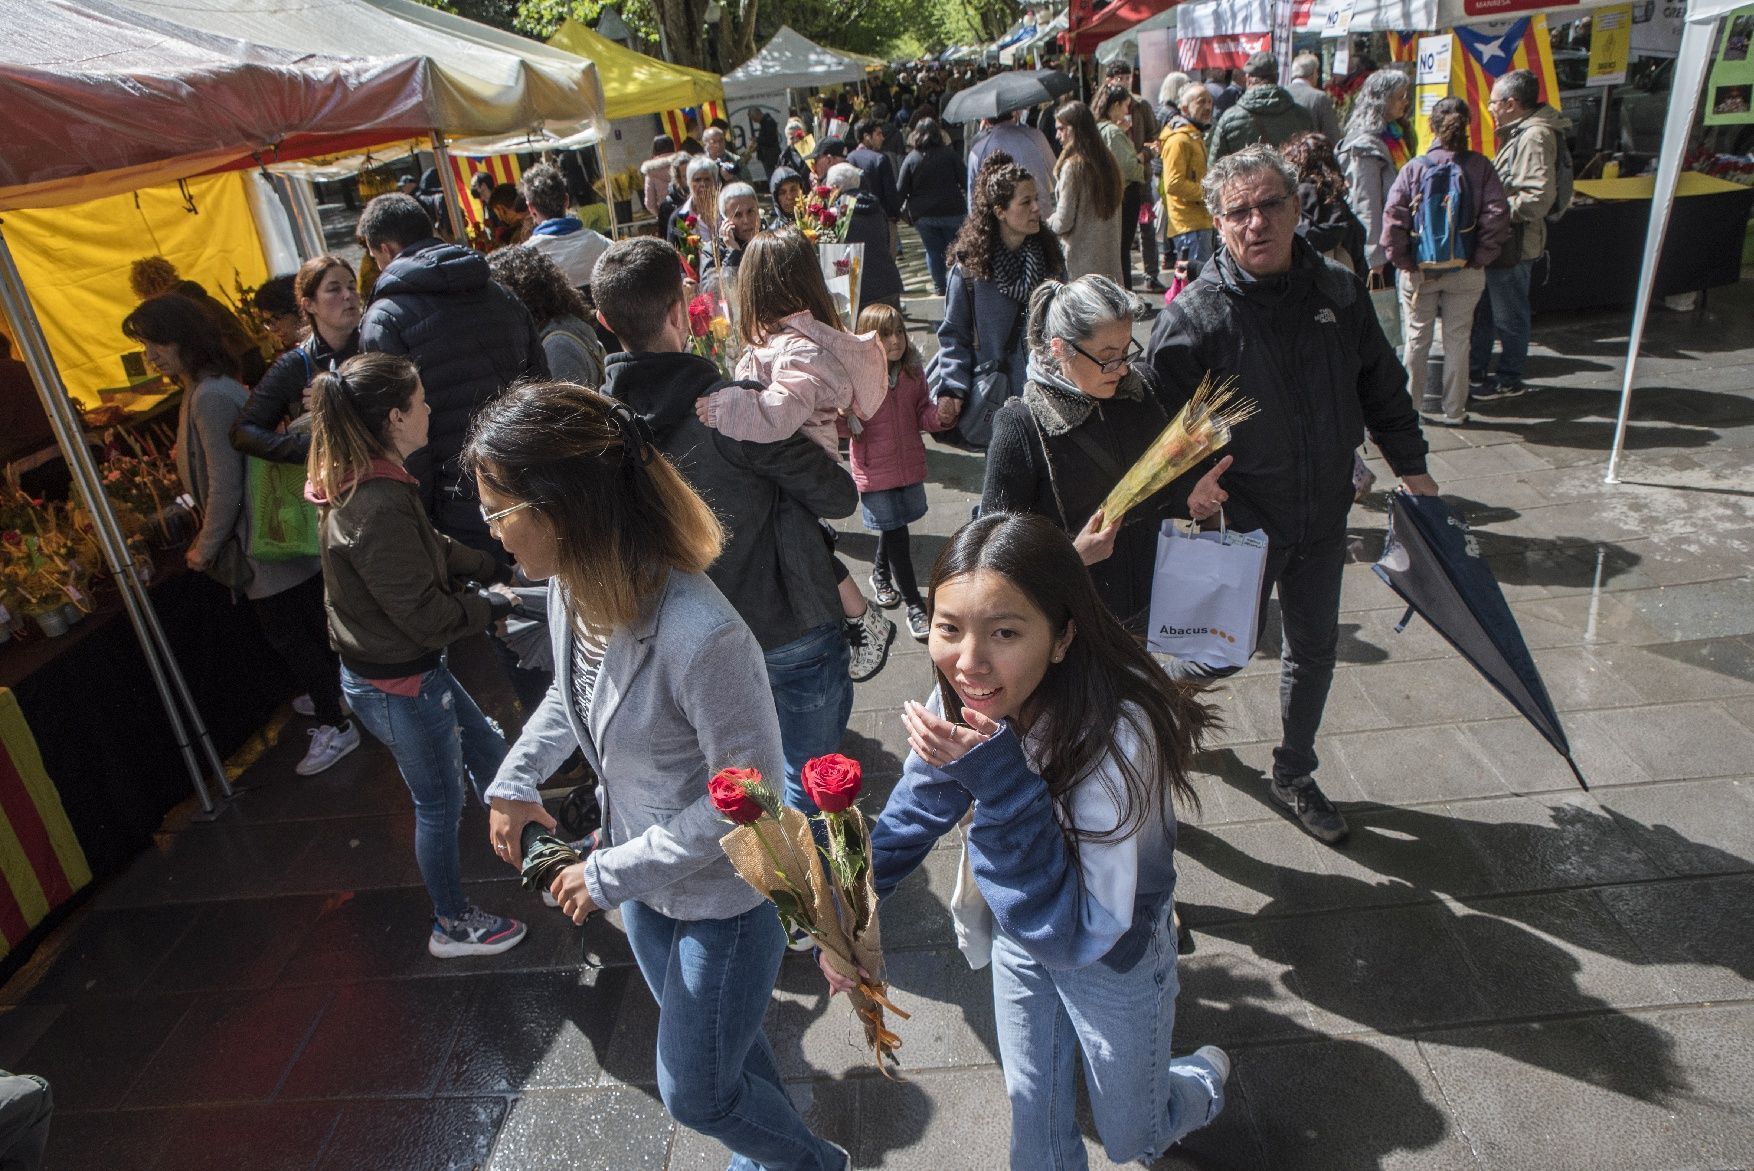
x=529, y=436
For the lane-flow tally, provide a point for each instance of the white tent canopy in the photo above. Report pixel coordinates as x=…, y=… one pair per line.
x=791, y=60
x=1691, y=65
x=1219, y=18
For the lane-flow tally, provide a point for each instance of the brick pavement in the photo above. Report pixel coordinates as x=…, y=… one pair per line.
x=1496, y=971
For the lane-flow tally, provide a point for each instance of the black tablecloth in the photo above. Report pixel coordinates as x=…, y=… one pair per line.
x=105, y=738
x=1595, y=250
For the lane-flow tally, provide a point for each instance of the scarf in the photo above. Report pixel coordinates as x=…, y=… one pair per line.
x=1017, y=273
x=1400, y=150
x=1058, y=406
x=564, y=226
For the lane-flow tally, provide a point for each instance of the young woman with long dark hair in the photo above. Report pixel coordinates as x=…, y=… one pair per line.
x=1088, y=194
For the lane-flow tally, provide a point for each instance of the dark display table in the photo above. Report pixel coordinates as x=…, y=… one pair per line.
x=1595, y=250
x=105, y=738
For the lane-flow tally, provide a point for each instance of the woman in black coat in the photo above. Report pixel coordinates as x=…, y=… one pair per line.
x=274, y=424
x=933, y=186
x=1088, y=412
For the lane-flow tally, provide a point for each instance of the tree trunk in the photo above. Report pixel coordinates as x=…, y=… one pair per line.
x=736, y=32
x=683, y=24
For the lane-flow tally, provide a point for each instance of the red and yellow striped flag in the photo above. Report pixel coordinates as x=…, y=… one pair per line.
x=41, y=864
x=503, y=168
x=1482, y=56
x=1403, y=46
x=676, y=121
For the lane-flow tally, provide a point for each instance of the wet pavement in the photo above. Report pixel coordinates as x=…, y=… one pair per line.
x=1496, y=970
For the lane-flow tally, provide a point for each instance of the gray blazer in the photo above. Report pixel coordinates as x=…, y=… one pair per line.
x=682, y=693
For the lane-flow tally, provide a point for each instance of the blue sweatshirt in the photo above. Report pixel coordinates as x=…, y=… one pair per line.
x=1065, y=912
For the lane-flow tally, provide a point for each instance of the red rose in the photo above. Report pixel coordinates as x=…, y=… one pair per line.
x=832, y=782
x=731, y=798
x=690, y=219
x=700, y=316
x=824, y=191
x=828, y=218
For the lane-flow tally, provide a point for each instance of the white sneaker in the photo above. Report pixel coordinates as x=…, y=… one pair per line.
x=328, y=745
x=1217, y=1058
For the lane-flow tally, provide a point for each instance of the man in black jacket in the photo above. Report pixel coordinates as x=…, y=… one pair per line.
x=775, y=568
x=471, y=338
x=1300, y=335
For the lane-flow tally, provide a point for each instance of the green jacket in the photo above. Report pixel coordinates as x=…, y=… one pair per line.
x=1126, y=155
x=1264, y=113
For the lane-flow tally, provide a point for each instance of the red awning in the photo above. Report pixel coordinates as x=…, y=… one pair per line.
x=1117, y=18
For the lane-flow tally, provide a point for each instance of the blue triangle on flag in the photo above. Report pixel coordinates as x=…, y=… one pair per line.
x=1494, y=51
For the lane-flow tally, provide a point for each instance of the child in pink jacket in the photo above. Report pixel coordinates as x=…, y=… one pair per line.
x=889, y=465
x=806, y=373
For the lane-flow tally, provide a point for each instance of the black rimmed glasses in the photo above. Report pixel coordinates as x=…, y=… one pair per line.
x=1113, y=364
x=1268, y=208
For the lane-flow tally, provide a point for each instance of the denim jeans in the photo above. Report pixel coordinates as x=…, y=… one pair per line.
x=1503, y=313
x=936, y=233
x=1143, y=1101
x=814, y=698
x=1307, y=577
x=712, y=979
x=1195, y=246
x=434, y=737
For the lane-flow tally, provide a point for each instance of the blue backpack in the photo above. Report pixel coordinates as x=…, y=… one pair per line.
x=1444, y=217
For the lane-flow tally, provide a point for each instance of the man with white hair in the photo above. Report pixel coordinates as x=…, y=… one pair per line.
x=739, y=221
x=1300, y=335
x=719, y=151
x=880, y=278
x=1307, y=92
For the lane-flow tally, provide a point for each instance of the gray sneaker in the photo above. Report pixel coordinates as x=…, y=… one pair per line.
x=328, y=745
x=869, y=635
x=1314, y=812
x=1217, y=1058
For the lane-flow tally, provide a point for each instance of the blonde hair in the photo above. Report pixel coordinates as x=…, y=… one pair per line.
x=622, y=516
x=886, y=321
x=350, y=417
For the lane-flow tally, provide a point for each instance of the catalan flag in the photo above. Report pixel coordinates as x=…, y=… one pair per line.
x=1482, y=56
x=676, y=121
x=1403, y=46
x=506, y=168
x=41, y=864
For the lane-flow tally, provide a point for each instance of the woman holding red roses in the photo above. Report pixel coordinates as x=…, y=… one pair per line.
x=659, y=683
x=1070, y=745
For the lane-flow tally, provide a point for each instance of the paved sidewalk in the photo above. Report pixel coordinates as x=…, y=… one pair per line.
x=1495, y=971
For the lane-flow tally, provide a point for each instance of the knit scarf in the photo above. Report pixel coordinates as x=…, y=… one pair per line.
x=1400, y=150
x=1059, y=406
x=1018, y=272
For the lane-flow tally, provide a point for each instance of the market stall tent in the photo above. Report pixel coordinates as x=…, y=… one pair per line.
x=633, y=83
x=791, y=60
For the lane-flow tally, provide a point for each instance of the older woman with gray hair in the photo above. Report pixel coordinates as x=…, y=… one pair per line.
x=1087, y=413
x=1375, y=148
x=880, y=277
x=704, y=180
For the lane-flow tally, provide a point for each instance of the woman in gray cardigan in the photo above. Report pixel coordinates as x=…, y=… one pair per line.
x=183, y=343
x=660, y=684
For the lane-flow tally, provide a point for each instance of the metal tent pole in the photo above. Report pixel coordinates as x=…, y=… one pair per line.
x=441, y=161
x=52, y=392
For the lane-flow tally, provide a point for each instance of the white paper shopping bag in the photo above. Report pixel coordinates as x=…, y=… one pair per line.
x=1206, y=595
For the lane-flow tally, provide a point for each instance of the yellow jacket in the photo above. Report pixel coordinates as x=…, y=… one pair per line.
x=1184, y=164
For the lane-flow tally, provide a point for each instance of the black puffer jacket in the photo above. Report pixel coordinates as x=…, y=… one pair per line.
x=881, y=276
x=775, y=567
x=1306, y=346
x=279, y=398
x=933, y=182
x=470, y=337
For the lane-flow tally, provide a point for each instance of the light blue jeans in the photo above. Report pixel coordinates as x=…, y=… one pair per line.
x=1120, y=1014
x=712, y=979
x=435, y=736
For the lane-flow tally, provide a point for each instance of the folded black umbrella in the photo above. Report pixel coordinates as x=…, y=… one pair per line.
x=996, y=96
x=1432, y=562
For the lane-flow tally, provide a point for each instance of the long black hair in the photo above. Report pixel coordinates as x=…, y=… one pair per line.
x=1106, y=676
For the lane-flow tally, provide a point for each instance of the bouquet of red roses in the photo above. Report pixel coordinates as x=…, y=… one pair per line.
x=773, y=851
x=822, y=217
x=688, y=243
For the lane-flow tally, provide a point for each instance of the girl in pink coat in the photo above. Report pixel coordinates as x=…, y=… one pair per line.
x=801, y=371
x=889, y=465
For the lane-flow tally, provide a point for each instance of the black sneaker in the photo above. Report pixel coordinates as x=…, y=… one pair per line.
x=883, y=591
x=1492, y=392
x=1314, y=812
x=918, y=624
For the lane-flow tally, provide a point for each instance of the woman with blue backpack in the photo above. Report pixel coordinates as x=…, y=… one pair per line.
x=1446, y=219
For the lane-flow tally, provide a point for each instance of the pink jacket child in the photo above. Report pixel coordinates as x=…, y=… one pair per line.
x=808, y=373
x=889, y=452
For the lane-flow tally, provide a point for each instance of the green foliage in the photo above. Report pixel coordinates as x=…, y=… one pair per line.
x=539, y=18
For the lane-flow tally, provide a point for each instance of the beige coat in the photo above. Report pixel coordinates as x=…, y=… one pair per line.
x=1527, y=162
x=1092, y=244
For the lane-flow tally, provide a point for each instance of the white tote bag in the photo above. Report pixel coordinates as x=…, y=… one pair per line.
x=1206, y=595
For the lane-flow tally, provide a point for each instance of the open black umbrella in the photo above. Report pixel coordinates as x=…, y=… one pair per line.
x=1431, y=561
x=1016, y=90
x=1057, y=82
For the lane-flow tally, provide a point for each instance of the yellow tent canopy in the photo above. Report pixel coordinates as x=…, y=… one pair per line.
x=633, y=83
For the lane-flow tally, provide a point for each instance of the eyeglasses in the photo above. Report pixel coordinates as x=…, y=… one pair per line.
x=493, y=518
x=1113, y=364
x=1268, y=208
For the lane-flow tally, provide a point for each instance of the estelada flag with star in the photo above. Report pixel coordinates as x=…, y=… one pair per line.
x=1489, y=52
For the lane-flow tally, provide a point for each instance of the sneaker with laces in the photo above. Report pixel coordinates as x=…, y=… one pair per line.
x=1312, y=809
x=883, y=591
x=918, y=624
x=473, y=933
x=870, y=635
x=1494, y=391
x=328, y=745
